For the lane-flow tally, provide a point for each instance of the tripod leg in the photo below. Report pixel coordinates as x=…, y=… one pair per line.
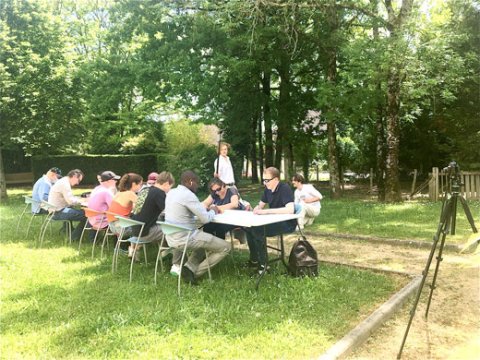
x=441, y=230
x=453, y=216
x=468, y=214
x=439, y=259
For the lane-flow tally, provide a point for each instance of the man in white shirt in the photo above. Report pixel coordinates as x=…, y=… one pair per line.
x=62, y=198
x=223, y=166
x=309, y=198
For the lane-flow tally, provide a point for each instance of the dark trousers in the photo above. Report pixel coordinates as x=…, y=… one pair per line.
x=72, y=215
x=219, y=230
x=256, y=238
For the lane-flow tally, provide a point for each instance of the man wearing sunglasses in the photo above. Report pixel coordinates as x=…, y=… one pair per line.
x=280, y=200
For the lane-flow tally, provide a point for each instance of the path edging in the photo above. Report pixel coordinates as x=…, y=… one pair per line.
x=397, y=242
x=362, y=331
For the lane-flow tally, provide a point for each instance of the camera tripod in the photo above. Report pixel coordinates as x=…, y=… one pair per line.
x=447, y=222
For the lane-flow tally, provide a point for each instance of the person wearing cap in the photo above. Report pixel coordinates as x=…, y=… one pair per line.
x=62, y=198
x=152, y=178
x=41, y=189
x=101, y=197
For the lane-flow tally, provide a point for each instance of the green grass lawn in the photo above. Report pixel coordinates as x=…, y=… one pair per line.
x=412, y=220
x=58, y=304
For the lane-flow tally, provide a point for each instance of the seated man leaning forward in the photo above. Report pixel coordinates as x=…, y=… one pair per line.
x=62, y=198
x=309, y=198
x=223, y=198
x=181, y=207
x=279, y=197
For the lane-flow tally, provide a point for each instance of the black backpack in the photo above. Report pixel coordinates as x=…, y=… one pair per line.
x=303, y=260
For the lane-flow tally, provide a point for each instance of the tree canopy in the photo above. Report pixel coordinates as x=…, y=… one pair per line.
x=391, y=85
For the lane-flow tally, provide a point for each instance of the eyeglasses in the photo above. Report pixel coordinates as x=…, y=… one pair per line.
x=266, y=181
x=216, y=190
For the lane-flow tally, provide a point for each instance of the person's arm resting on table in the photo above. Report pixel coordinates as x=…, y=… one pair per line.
x=287, y=209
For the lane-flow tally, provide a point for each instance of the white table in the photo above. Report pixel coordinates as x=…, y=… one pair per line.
x=248, y=219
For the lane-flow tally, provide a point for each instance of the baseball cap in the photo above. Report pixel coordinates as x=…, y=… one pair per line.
x=152, y=177
x=57, y=171
x=108, y=175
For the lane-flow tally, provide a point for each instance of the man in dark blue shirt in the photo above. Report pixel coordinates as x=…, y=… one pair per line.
x=280, y=200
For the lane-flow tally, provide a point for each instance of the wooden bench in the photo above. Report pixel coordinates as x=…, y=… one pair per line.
x=19, y=178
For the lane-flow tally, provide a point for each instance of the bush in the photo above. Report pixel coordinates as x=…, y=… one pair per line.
x=93, y=164
x=198, y=158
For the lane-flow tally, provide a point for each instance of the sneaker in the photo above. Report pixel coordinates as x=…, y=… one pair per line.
x=175, y=270
x=261, y=269
x=189, y=276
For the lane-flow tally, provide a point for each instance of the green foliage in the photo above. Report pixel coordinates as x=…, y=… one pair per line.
x=199, y=158
x=39, y=104
x=91, y=165
x=59, y=304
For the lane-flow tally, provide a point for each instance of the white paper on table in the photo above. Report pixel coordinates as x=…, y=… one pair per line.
x=249, y=219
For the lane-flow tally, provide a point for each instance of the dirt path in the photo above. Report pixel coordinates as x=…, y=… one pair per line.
x=453, y=327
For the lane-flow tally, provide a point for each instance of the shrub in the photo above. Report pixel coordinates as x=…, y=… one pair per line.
x=198, y=158
x=93, y=164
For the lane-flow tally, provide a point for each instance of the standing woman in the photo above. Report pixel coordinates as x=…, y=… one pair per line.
x=223, y=166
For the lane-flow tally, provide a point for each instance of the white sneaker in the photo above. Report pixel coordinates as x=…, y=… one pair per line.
x=175, y=270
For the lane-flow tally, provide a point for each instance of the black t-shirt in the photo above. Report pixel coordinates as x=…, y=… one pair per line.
x=281, y=196
x=227, y=199
x=152, y=207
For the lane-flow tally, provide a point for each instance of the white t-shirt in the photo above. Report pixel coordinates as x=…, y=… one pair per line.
x=225, y=169
x=308, y=191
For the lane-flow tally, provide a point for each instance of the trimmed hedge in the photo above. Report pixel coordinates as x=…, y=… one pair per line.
x=91, y=165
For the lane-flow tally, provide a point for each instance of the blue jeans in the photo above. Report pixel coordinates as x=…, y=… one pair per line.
x=72, y=215
x=256, y=238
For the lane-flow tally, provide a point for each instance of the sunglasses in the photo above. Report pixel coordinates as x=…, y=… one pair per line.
x=266, y=181
x=216, y=190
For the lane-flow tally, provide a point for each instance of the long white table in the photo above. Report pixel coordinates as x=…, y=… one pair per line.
x=247, y=219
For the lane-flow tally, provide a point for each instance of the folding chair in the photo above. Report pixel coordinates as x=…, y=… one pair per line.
x=125, y=223
x=49, y=218
x=29, y=201
x=161, y=247
x=169, y=229
x=92, y=213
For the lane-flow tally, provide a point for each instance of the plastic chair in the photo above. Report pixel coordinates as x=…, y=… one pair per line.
x=92, y=213
x=49, y=218
x=161, y=247
x=125, y=223
x=29, y=201
x=169, y=229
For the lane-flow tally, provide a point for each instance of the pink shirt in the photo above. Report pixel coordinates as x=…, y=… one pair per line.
x=100, y=200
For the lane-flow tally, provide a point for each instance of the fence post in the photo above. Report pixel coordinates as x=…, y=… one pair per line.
x=414, y=180
x=435, y=183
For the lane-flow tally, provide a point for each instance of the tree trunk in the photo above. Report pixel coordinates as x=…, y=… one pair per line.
x=396, y=28
x=306, y=167
x=331, y=126
x=392, y=181
x=267, y=118
x=253, y=147
x=3, y=182
x=332, y=160
x=379, y=124
x=380, y=171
